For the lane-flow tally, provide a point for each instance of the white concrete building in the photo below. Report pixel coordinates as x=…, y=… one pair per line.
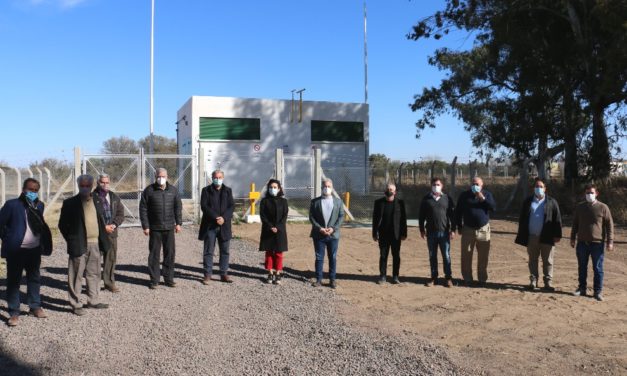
x=240, y=136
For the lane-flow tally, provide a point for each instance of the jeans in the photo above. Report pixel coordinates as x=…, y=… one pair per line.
x=439, y=239
x=157, y=240
x=385, y=243
x=17, y=262
x=330, y=244
x=213, y=234
x=586, y=250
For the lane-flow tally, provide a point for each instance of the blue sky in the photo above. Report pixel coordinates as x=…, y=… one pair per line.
x=76, y=72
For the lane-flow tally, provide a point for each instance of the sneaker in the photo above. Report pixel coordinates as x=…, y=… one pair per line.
x=97, y=306
x=39, y=313
x=79, y=311
x=580, y=292
x=13, y=320
x=430, y=283
x=449, y=282
x=333, y=284
x=381, y=280
x=395, y=280
x=599, y=297
x=226, y=279
x=171, y=284
x=317, y=284
x=270, y=277
x=277, y=278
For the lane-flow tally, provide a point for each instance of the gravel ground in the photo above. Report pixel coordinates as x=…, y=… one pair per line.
x=246, y=327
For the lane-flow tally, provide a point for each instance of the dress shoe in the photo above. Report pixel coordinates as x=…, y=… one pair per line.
x=381, y=280
x=531, y=286
x=599, y=297
x=97, y=306
x=206, y=280
x=580, y=292
x=79, y=311
x=171, y=284
x=39, y=313
x=449, y=282
x=317, y=284
x=114, y=289
x=430, y=283
x=13, y=320
x=333, y=284
x=395, y=280
x=226, y=279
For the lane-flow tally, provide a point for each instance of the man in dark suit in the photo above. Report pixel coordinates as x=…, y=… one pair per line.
x=25, y=237
x=389, y=228
x=326, y=214
x=113, y=212
x=216, y=203
x=82, y=225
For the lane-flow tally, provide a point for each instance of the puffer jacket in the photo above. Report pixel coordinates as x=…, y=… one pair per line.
x=160, y=209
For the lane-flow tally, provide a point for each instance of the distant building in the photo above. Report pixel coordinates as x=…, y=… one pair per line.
x=241, y=136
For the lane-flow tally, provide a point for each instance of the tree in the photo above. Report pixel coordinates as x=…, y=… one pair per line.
x=120, y=145
x=59, y=169
x=162, y=144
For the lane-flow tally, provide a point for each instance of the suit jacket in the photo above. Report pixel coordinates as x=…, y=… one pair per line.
x=399, y=218
x=117, y=210
x=552, y=227
x=317, y=219
x=210, y=212
x=13, y=227
x=72, y=226
x=273, y=213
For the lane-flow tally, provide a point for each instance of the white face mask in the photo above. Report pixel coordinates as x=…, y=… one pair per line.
x=274, y=191
x=591, y=197
x=161, y=181
x=327, y=191
x=436, y=188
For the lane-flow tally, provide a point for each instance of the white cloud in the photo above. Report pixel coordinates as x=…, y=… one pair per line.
x=64, y=4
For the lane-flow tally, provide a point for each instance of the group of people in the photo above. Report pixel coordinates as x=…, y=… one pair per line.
x=89, y=223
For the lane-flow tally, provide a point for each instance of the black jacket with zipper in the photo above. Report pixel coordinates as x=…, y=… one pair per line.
x=160, y=209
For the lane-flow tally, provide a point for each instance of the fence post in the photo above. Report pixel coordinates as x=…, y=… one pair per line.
x=202, y=178
x=3, y=188
x=41, y=180
x=19, y=180
x=317, y=172
x=77, y=167
x=279, y=166
x=48, y=180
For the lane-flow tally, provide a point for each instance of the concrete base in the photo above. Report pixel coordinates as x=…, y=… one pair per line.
x=252, y=218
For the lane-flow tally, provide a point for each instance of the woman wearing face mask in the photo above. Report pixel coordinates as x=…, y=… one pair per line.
x=273, y=212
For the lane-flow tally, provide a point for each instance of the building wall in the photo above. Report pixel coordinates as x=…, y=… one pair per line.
x=254, y=161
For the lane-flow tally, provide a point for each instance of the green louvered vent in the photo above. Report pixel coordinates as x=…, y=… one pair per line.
x=337, y=131
x=230, y=129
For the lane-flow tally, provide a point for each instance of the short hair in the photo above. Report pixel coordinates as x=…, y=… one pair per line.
x=590, y=186
x=215, y=172
x=159, y=170
x=103, y=176
x=30, y=180
x=85, y=177
x=327, y=180
x=271, y=181
x=538, y=180
x=434, y=179
x=388, y=185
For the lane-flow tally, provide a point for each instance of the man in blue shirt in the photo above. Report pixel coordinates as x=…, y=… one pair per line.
x=473, y=223
x=539, y=228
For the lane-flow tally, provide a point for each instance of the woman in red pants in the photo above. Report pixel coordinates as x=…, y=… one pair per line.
x=273, y=213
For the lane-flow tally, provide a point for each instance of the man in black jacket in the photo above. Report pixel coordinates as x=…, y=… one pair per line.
x=113, y=212
x=389, y=228
x=82, y=225
x=216, y=203
x=160, y=212
x=438, y=211
x=539, y=228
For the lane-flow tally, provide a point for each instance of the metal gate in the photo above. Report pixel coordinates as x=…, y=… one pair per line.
x=298, y=176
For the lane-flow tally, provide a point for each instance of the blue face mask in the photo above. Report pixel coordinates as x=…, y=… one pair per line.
x=475, y=188
x=31, y=196
x=539, y=191
x=217, y=182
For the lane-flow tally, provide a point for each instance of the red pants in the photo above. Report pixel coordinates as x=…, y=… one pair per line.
x=274, y=260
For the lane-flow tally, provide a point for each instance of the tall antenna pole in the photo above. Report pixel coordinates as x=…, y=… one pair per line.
x=365, y=55
x=152, y=74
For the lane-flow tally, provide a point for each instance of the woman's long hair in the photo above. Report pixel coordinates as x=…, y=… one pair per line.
x=271, y=181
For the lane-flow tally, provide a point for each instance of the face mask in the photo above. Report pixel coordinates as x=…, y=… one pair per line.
x=436, y=188
x=161, y=181
x=539, y=191
x=475, y=188
x=389, y=194
x=327, y=191
x=591, y=197
x=31, y=196
x=104, y=188
x=274, y=191
x=217, y=182
x=84, y=191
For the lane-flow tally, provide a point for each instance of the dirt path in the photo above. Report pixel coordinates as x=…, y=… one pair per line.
x=502, y=328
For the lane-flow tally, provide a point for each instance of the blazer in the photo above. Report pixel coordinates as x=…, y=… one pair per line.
x=273, y=213
x=317, y=219
x=13, y=227
x=210, y=212
x=399, y=218
x=552, y=227
x=117, y=210
x=72, y=226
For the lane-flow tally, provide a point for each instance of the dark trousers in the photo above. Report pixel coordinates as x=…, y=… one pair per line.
x=585, y=251
x=157, y=240
x=209, y=246
x=108, y=263
x=385, y=244
x=330, y=244
x=17, y=262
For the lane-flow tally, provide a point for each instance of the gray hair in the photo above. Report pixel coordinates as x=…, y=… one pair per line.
x=217, y=172
x=103, y=176
x=327, y=180
x=160, y=170
x=87, y=178
x=390, y=185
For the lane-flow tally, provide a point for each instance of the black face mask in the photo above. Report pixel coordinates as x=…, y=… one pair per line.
x=389, y=194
